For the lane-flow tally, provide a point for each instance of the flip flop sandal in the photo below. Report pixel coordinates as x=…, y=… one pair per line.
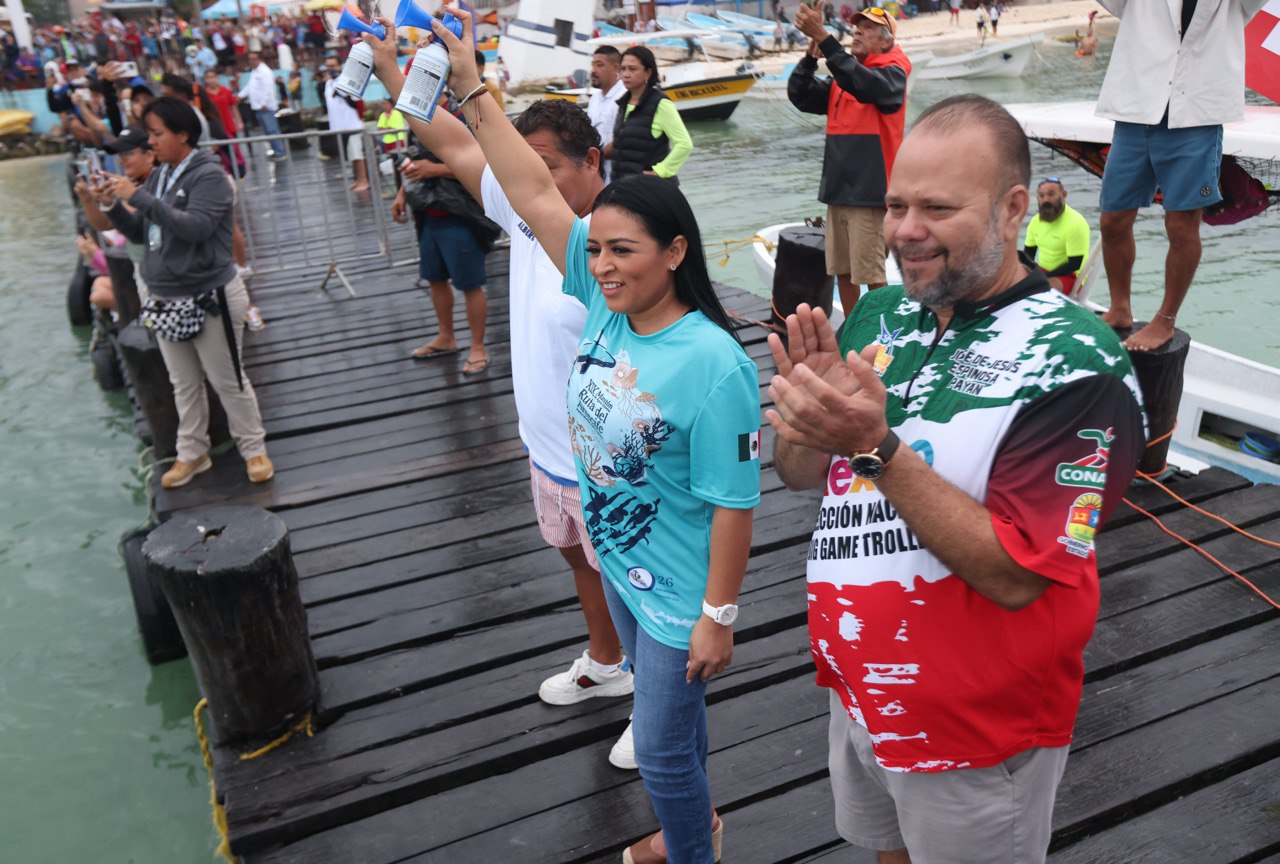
x=426, y=352
x=478, y=366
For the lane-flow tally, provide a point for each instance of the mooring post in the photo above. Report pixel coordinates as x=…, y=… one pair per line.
x=800, y=272
x=230, y=580
x=1160, y=374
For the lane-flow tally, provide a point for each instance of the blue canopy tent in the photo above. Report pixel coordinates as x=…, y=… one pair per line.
x=232, y=9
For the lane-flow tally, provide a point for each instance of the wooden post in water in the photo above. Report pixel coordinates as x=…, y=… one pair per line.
x=154, y=394
x=800, y=275
x=120, y=269
x=230, y=580
x=1160, y=374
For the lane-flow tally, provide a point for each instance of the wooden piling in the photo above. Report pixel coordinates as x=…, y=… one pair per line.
x=1160, y=374
x=229, y=577
x=801, y=272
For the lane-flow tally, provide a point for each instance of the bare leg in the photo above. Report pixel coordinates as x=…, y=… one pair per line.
x=850, y=291
x=442, y=300
x=896, y=856
x=1183, y=228
x=603, y=644
x=477, y=313
x=238, y=249
x=1118, y=253
x=362, y=176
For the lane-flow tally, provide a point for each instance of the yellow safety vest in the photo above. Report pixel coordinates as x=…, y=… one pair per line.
x=393, y=120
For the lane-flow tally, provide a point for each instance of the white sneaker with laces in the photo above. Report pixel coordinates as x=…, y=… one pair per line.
x=584, y=681
x=623, y=754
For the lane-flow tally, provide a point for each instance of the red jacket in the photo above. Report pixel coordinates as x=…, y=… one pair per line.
x=865, y=106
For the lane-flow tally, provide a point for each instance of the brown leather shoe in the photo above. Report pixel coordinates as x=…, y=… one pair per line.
x=260, y=469
x=643, y=851
x=182, y=472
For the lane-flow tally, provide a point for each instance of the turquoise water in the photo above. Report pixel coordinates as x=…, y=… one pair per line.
x=98, y=761
x=97, y=757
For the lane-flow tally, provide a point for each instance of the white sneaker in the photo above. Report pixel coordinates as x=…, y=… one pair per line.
x=623, y=754
x=583, y=681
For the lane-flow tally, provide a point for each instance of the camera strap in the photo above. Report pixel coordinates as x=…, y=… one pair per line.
x=229, y=328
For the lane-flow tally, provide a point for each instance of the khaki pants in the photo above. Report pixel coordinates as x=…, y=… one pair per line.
x=206, y=357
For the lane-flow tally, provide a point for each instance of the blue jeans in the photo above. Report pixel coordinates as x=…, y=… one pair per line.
x=270, y=126
x=670, y=727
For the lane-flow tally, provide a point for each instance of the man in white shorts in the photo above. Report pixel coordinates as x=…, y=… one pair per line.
x=546, y=325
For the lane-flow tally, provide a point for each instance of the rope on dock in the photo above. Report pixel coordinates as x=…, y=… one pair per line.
x=1152, y=479
x=219, y=812
x=306, y=724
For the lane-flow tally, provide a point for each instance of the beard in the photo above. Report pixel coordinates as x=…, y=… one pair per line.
x=971, y=277
x=1050, y=211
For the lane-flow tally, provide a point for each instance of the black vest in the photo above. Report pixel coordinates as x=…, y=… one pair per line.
x=635, y=150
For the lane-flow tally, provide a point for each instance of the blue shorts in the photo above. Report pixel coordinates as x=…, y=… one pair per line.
x=1183, y=163
x=448, y=249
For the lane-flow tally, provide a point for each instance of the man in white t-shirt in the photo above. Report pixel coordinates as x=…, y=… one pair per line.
x=602, y=107
x=546, y=325
x=343, y=117
x=260, y=92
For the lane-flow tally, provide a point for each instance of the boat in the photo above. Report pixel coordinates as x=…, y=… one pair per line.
x=668, y=50
x=547, y=41
x=760, y=28
x=697, y=91
x=714, y=44
x=999, y=60
x=1225, y=397
x=771, y=83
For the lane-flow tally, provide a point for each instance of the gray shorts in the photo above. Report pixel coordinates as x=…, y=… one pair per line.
x=996, y=815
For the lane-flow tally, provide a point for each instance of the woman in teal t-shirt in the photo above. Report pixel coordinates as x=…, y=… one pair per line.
x=664, y=414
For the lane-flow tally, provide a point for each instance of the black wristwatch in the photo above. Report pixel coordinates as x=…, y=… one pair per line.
x=870, y=464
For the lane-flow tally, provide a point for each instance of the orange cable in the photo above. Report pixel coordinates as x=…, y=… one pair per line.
x=1201, y=550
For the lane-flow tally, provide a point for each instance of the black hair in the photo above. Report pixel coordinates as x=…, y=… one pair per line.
x=645, y=56
x=1013, y=153
x=177, y=116
x=141, y=90
x=575, y=136
x=178, y=85
x=480, y=61
x=609, y=51
x=665, y=213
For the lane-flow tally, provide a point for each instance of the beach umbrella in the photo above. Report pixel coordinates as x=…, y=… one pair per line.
x=1262, y=52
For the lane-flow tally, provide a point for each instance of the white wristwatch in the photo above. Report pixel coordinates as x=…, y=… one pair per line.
x=724, y=615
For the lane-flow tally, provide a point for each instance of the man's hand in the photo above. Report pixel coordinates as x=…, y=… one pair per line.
x=827, y=418
x=710, y=650
x=814, y=50
x=398, y=208
x=812, y=342
x=420, y=170
x=809, y=22
x=384, y=50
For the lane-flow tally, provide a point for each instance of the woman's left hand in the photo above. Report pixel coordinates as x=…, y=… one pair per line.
x=119, y=185
x=462, y=52
x=710, y=650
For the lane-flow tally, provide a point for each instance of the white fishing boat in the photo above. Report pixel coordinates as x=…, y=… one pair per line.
x=714, y=43
x=666, y=50
x=1006, y=59
x=773, y=83
x=547, y=40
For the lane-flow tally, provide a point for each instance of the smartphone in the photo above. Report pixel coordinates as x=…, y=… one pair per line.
x=94, y=161
x=127, y=70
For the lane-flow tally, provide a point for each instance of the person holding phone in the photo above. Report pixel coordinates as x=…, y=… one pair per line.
x=195, y=300
x=664, y=416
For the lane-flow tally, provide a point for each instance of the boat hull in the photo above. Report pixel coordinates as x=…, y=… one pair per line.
x=994, y=61
x=705, y=99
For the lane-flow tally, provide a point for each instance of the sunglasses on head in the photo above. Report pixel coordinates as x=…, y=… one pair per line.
x=1050, y=180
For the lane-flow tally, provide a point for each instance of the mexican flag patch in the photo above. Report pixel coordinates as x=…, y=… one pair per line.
x=749, y=446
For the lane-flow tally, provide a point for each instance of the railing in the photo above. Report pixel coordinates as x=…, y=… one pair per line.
x=300, y=212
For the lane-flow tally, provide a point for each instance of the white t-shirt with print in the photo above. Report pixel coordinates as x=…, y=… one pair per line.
x=546, y=325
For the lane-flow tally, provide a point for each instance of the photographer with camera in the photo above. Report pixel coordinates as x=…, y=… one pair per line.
x=193, y=298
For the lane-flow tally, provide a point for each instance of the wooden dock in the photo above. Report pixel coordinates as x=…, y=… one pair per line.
x=435, y=610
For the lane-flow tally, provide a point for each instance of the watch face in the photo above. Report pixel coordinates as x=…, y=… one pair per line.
x=727, y=615
x=867, y=466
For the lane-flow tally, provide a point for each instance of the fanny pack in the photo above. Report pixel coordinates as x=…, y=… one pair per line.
x=182, y=318
x=177, y=319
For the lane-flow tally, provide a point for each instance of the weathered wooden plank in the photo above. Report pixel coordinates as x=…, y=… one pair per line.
x=1235, y=820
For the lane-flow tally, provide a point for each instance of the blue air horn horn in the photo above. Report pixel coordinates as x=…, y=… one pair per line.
x=427, y=76
x=354, y=77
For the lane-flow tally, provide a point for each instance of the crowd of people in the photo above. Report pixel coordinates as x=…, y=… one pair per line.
x=936, y=420
x=162, y=44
